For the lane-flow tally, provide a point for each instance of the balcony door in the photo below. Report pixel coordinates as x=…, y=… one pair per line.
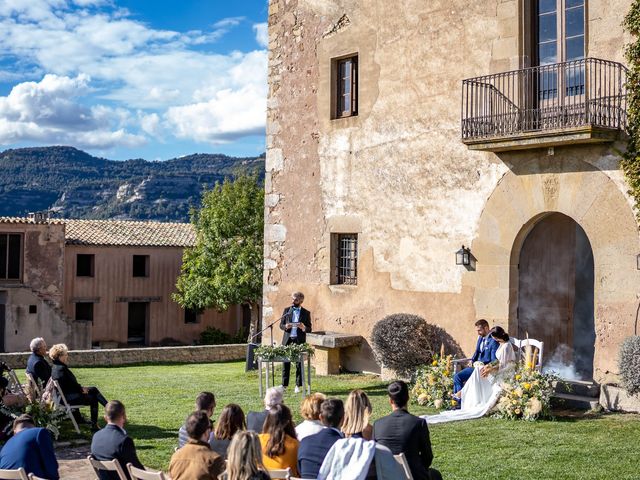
x=557, y=48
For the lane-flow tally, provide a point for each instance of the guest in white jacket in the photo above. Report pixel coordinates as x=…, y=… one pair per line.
x=310, y=411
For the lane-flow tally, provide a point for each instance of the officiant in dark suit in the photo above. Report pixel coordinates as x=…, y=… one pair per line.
x=486, y=348
x=296, y=323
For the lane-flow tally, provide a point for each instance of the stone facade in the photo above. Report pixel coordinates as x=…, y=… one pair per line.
x=398, y=175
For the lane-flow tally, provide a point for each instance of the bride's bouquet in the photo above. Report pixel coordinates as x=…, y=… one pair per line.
x=434, y=382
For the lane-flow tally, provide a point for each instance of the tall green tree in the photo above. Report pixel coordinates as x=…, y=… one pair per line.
x=225, y=266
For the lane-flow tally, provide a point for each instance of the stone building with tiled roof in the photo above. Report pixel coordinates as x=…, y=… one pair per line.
x=97, y=283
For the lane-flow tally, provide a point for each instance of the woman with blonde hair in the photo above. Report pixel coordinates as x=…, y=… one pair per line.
x=310, y=411
x=245, y=458
x=357, y=411
x=74, y=393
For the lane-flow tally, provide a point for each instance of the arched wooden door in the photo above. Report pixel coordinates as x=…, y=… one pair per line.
x=555, y=291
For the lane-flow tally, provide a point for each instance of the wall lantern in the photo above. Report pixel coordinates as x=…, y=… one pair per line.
x=463, y=256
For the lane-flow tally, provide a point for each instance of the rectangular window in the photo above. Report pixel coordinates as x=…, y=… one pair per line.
x=33, y=309
x=191, y=315
x=85, y=265
x=84, y=311
x=10, y=256
x=141, y=265
x=346, y=258
x=346, y=73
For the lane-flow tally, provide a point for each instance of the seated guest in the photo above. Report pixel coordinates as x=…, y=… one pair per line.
x=357, y=412
x=205, y=402
x=279, y=443
x=75, y=393
x=314, y=448
x=310, y=411
x=195, y=460
x=404, y=433
x=355, y=458
x=231, y=421
x=30, y=448
x=113, y=443
x=37, y=366
x=272, y=397
x=245, y=458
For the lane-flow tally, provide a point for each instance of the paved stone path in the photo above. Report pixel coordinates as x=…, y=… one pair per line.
x=73, y=463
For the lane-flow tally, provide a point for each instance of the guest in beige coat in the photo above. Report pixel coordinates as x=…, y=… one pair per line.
x=196, y=460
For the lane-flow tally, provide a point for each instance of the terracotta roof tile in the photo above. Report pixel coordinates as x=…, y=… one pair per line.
x=120, y=232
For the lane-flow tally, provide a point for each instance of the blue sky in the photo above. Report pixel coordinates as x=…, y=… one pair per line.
x=134, y=78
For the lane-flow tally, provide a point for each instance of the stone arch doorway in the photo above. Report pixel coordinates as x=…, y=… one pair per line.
x=556, y=291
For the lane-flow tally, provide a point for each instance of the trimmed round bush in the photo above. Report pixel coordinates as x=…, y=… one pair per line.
x=403, y=341
x=629, y=364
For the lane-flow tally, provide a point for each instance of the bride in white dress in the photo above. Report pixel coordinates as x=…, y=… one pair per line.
x=482, y=390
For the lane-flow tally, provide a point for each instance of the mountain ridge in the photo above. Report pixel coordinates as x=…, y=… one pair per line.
x=74, y=184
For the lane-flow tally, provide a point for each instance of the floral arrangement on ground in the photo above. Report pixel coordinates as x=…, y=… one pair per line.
x=43, y=413
x=433, y=383
x=526, y=395
x=292, y=352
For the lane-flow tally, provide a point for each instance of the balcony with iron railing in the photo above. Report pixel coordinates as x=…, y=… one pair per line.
x=581, y=101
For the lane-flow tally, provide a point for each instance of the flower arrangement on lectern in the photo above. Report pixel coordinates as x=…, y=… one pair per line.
x=291, y=352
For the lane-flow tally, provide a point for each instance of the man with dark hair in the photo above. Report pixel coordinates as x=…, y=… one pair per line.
x=296, y=323
x=206, y=402
x=30, y=448
x=314, y=448
x=402, y=432
x=113, y=443
x=486, y=348
x=196, y=460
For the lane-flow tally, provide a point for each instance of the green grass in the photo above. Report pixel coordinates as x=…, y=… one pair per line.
x=159, y=397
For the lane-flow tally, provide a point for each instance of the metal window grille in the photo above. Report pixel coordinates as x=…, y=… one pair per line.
x=347, y=257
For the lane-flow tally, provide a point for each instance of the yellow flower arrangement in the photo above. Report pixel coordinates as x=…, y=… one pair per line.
x=434, y=382
x=526, y=395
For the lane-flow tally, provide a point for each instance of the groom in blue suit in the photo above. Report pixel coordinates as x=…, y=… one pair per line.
x=486, y=348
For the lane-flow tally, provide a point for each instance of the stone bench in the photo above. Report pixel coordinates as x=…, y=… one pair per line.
x=328, y=347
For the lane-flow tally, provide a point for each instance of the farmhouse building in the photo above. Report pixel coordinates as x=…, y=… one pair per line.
x=399, y=132
x=97, y=283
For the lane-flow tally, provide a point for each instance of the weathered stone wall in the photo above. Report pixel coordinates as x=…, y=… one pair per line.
x=131, y=356
x=399, y=176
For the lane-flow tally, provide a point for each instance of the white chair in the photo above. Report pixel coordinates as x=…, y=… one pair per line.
x=107, y=466
x=19, y=474
x=521, y=346
x=402, y=460
x=280, y=473
x=138, y=474
x=34, y=388
x=33, y=477
x=61, y=403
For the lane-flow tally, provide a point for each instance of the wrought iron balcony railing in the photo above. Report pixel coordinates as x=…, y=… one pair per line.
x=562, y=96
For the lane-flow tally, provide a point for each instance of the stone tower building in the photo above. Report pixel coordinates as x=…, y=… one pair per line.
x=400, y=131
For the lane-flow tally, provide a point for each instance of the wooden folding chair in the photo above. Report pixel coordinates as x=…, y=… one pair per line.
x=19, y=474
x=280, y=473
x=138, y=474
x=107, y=466
x=402, y=460
x=61, y=403
x=14, y=384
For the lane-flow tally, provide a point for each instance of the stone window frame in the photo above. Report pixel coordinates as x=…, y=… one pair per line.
x=337, y=86
x=344, y=268
x=7, y=235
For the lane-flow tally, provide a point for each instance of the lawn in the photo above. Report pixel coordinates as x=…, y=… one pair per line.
x=159, y=397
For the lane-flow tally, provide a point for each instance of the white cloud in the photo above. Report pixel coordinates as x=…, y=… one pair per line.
x=154, y=81
x=262, y=34
x=48, y=112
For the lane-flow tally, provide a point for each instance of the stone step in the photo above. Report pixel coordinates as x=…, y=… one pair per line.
x=580, y=388
x=580, y=402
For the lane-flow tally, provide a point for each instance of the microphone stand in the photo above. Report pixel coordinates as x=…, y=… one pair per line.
x=251, y=344
x=270, y=328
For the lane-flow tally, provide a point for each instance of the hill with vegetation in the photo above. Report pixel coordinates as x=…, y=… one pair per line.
x=73, y=184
